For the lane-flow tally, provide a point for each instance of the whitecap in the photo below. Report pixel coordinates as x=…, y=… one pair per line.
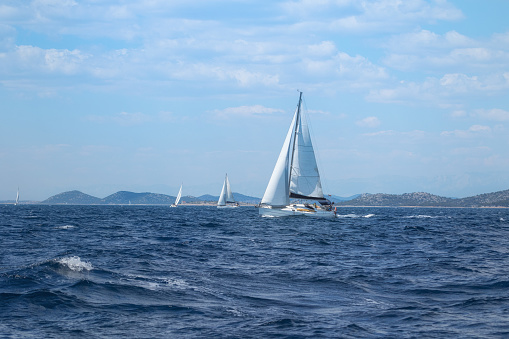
x=65, y=227
x=177, y=283
x=420, y=216
x=347, y=215
x=74, y=263
x=369, y=215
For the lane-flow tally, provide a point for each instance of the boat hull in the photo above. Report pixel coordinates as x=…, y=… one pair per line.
x=227, y=206
x=289, y=211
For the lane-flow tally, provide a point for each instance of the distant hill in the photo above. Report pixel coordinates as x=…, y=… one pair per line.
x=336, y=199
x=146, y=198
x=124, y=197
x=418, y=199
x=245, y=198
x=500, y=198
x=495, y=199
x=407, y=199
x=72, y=198
x=208, y=197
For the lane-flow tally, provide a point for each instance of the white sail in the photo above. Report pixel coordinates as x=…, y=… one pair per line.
x=17, y=197
x=277, y=192
x=304, y=176
x=229, y=193
x=226, y=195
x=178, y=196
x=222, y=196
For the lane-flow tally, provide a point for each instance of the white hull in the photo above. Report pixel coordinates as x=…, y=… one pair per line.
x=227, y=206
x=294, y=210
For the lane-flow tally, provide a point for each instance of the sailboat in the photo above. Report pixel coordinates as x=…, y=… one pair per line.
x=178, y=197
x=226, y=197
x=17, y=197
x=296, y=176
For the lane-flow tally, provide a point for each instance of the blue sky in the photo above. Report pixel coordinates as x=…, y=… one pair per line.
x=102, y=96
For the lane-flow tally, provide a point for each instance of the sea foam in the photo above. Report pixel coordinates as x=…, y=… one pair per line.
x=74, y=263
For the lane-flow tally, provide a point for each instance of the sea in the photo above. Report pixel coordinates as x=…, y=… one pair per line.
x=202, y=272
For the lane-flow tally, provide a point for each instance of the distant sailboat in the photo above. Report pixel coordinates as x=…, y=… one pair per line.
x=296, y=176
x=178, y=198
x=226, y=197
x=17, y=197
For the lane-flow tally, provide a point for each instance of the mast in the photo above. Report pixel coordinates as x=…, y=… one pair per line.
x=297, y=122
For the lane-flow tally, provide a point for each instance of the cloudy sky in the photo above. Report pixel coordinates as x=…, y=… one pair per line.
x=103, y=95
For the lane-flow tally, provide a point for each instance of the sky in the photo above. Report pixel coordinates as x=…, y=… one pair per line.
x=102, y=95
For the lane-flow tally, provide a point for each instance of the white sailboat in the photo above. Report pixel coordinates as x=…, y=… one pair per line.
x=17, y=197
x=296, y=176
x=226, y=197
x=177, y=200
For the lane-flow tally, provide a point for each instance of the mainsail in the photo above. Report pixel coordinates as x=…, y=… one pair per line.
x=178, y=196
x=296, y=172
x=304, y=176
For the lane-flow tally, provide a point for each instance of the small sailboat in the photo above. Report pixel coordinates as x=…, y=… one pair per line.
x=296, y=176
x=17, y=197
x=226, y=197
x=177, y=200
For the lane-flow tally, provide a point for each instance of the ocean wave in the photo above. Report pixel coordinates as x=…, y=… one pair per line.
x=74, y=263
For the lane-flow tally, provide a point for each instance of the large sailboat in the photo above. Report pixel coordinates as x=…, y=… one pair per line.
x=177, y=200
x=226, y=197
x=296, y=176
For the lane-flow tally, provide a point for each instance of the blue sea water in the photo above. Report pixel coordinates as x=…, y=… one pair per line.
x=201, y=272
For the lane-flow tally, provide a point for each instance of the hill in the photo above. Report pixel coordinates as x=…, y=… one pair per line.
x=124, y=197
x=495, y=199
x=336, y=199
x=406, y=199
x=421, y=199
x=72, y=198
x=418, y=199
x=146, y=198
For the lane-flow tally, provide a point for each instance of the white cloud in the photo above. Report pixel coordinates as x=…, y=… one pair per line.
x=439, y=91
x=473, y=131
x=348, y=71
x=47, y=60
x=426, y=49
x=245, y=111
x=370, y=122
x=325, y=48
x=369, y=16
x=425, y=40
x=495, y=114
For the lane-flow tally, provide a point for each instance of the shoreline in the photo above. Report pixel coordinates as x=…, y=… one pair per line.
x=213, y=204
